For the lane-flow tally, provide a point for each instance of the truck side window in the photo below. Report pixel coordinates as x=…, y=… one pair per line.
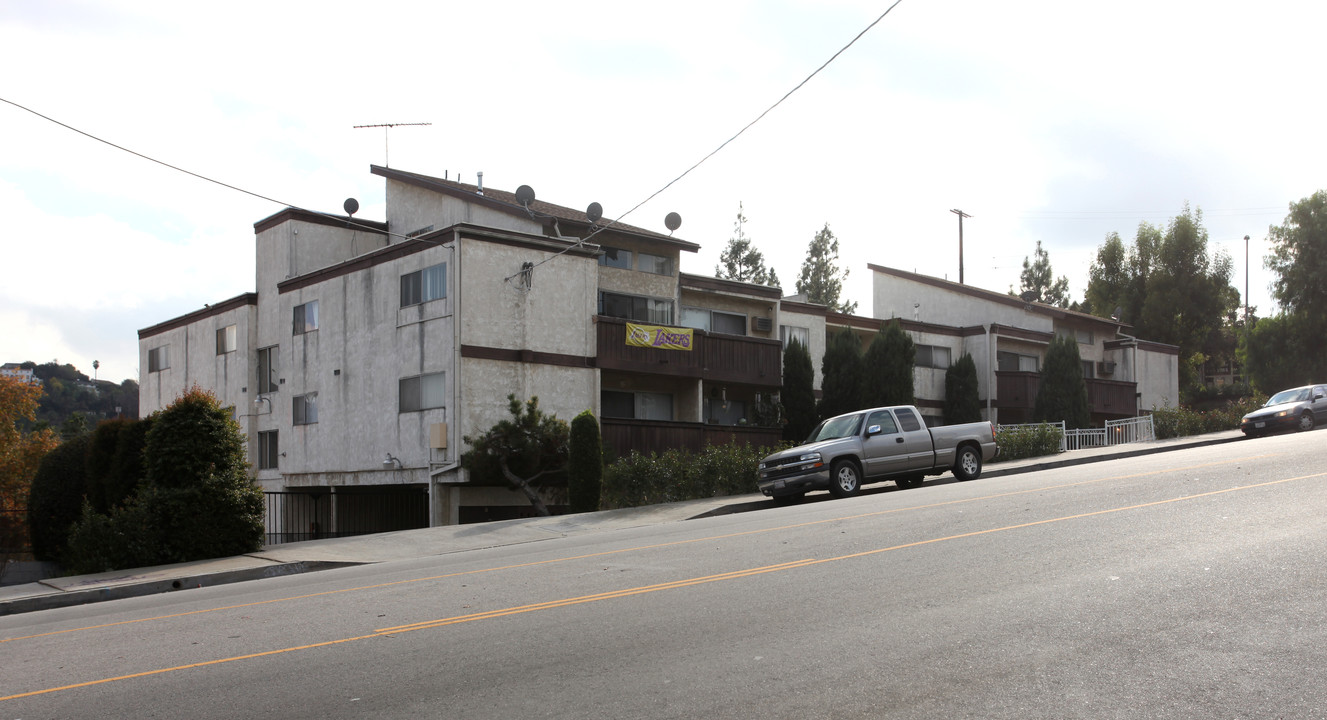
x=908, y=420
x=884, y=420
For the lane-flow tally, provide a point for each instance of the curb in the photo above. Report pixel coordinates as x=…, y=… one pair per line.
x=1070, y=462
x=69, y=598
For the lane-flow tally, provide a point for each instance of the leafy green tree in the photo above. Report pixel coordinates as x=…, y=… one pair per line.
x=1299, y=258
x=1286, y=350
x=888, y=368
x=1036, y=283
x=1063, y=392
x=798, y=394
x=962, y=392
x=195, y=499
x=198, y=495
x=1283, y=351
x=1110, y=280
x=585, y=466
x=520, y=451
x=741, y=260
x=115, y=462
x=841, y=371
x=1170, y=288
x=57, y=497
x=820, y=281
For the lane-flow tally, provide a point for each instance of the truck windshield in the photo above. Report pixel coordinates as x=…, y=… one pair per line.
x=838, y=427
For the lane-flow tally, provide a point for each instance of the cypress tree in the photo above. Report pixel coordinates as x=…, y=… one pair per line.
x=799, y=399
x=962, y=393
x=1063, y=393
x=888, y=367
x=585, y=463
x=842, y=368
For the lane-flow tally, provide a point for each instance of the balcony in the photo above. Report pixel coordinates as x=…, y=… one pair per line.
x=714, y=357
x=621, y=436
x=1017, y=391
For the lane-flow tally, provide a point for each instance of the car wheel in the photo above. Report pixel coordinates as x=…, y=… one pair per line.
x=968, y=464
x=845, y=480
x=1306, y=421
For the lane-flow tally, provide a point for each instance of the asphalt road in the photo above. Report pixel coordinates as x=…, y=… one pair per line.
x=1181, y=585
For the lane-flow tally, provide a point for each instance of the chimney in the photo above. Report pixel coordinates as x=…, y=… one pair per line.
x=480, y=182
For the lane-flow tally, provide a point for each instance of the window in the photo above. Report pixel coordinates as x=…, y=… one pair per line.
x=158, y=359
x=725, y=412
x=304, y=408
x=932, y=356
x=639, y=309
x=424, y=285
x=907, y=419
x=267, y=368
x=639, y=405
x=422, y=392
x=1088, y=370
x=788, y=333
x=1013, y=362
x=884, y=420
x=226, y=340
x=615, y=257
x=268, y=452
x=714, y=321
x=657, y=264
x=306, y=317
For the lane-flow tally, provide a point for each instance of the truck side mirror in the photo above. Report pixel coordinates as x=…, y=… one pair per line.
x=873, y=430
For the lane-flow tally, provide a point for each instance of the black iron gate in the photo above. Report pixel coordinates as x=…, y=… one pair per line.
x=315, y=513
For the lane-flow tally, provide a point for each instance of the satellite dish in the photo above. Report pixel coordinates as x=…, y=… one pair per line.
x=351, y=206
x=525, y=195
x=1119, y=312
x=594, y=212
x=672, y=221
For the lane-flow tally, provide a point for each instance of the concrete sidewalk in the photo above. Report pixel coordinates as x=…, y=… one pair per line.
x=294, y=558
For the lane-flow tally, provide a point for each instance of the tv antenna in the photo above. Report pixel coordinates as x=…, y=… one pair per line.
x=386, y=128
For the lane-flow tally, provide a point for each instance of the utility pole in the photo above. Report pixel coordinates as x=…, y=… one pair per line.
x=960, y=215
x=386, y=127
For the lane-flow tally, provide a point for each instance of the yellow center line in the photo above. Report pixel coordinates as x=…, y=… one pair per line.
x=628, y=592
x=639, y=548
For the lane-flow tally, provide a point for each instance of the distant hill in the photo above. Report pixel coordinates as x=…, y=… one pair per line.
x=71, y=399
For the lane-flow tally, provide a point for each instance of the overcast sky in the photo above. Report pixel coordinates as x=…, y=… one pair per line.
x=1044, y=120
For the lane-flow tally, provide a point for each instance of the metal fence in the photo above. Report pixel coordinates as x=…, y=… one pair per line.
x=295, y=515
x=1116, y=432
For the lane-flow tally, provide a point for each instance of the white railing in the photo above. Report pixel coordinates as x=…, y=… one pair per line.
x=1116, y=432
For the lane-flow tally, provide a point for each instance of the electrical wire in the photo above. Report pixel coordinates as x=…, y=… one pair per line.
x=524, y=271
x=722, y=145
x=350, y=222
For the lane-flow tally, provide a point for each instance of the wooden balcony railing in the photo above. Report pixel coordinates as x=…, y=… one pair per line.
x=1018, y=390
x=621, y=436
x=714, y=356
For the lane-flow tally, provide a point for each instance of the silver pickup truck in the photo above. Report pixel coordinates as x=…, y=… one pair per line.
x=889, y=443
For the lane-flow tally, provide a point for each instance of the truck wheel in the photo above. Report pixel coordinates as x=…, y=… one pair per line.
x=968, y=464
x=845, y=480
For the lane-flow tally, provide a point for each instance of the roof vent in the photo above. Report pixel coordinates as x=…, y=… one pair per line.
x=480, y=183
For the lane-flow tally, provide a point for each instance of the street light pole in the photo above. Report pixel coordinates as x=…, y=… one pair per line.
x=1246, y=283
x=960, y=215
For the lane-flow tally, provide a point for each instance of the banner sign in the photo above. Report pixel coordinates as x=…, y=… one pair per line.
x=659, y=337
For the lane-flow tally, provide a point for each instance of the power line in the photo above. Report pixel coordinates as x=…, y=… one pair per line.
x=351, y=222
x=724, y=144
